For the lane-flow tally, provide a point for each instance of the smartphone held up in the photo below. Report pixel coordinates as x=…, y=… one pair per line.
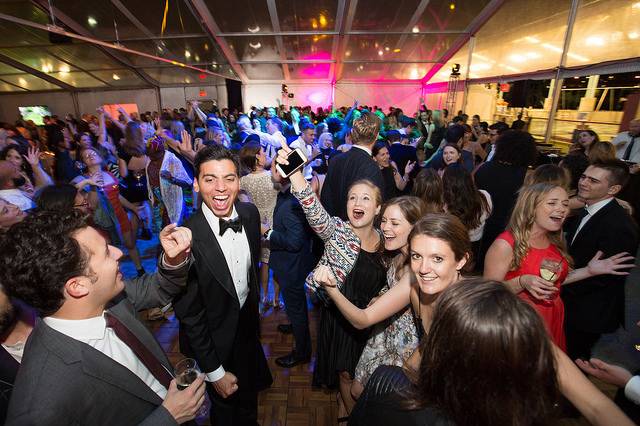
x=296, y=159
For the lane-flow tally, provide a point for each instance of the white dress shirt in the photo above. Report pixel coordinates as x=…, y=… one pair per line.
x=632, y=390
x=591, y=210
x=365, y=149
x=237, y=254
x=622, y=141
x=16, y=350
x=95, y=333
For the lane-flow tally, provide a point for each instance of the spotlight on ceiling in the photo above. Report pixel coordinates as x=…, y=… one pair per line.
x=415, y=29
x=92, y=21
x=254, y=30
x=115, y=77
x=255, y=46
x=455, y=69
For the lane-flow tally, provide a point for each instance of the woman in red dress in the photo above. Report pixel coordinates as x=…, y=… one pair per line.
x=531, y=255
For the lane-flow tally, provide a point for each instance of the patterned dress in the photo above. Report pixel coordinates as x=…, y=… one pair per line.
x=264, y=194
x=392, y=341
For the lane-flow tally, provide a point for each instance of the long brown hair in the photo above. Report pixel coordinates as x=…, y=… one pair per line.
x=487, y=359
x=428, y=186
x=412, y=208
x=462, y=198
x=522, y=219
x=446, y=227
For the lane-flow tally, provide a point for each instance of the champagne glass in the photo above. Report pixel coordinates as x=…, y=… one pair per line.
x=186, y=372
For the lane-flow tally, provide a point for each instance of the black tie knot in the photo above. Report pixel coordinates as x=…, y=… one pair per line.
x=235, y=225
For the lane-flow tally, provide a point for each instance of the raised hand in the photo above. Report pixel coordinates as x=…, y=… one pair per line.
x=176, y=243
x=33, y=157
x=185, y=144
x=610, y=265
x=539, y=288
x=156, y=123
x=409, y=167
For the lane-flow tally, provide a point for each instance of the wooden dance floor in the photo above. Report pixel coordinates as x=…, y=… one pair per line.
x=291, y=400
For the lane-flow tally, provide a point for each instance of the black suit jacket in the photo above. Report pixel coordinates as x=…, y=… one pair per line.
x=290, y=242
x=345, y=169
x=209, y=309
x=596, y=304
x=401, y=155
x=63, y=381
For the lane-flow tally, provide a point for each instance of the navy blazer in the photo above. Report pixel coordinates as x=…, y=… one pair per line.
x=596, y=304
x=290, y=240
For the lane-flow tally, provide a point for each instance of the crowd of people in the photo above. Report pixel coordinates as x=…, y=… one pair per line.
x=461, y=275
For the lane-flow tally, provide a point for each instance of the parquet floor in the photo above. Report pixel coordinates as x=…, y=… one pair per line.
x=291, y=400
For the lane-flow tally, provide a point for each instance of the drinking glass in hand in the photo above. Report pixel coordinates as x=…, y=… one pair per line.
x=186, y=372
x=550, y=271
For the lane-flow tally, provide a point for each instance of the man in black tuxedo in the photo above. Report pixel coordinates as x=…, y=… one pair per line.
x=596, y=305
x=218, y=313
x=353, y=165
x=291, y=260
x=89, y=360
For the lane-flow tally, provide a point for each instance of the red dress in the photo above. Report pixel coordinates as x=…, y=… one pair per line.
x=551, y=311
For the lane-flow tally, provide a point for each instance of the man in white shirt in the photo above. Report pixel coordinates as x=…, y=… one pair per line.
x=218, y=313
x=305, y=143
x=628, y=143
x=90, y=360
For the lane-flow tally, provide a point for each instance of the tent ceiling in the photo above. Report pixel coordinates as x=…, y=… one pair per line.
x=291, y=40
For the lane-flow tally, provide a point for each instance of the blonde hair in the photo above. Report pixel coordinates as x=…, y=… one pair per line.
x=365, y=129
x=377, y=194
x=522, y=219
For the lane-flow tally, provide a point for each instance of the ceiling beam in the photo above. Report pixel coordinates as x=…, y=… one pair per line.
x=408, y=30
x=200, y=10
x=81, y=69
x=475, y=25
x=44, y=76
x=275, y=24
x=336, y=40
x=79, y=29
x=343, y=39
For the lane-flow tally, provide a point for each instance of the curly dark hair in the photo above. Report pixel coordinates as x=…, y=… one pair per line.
x=39, y=255
x=517, y=148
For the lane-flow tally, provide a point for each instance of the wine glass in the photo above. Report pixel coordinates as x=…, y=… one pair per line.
x=186, y=372
x=550, y=270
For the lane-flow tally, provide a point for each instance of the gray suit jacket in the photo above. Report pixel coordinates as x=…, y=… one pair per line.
x=63, y=381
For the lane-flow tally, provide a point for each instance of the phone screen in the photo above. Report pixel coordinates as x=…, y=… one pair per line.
x=295, y=162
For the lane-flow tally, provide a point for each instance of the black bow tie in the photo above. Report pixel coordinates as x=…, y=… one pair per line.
x=235, y=225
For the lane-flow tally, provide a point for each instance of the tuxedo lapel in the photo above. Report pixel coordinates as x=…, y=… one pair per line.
x=206, y=244
x=592, y=223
